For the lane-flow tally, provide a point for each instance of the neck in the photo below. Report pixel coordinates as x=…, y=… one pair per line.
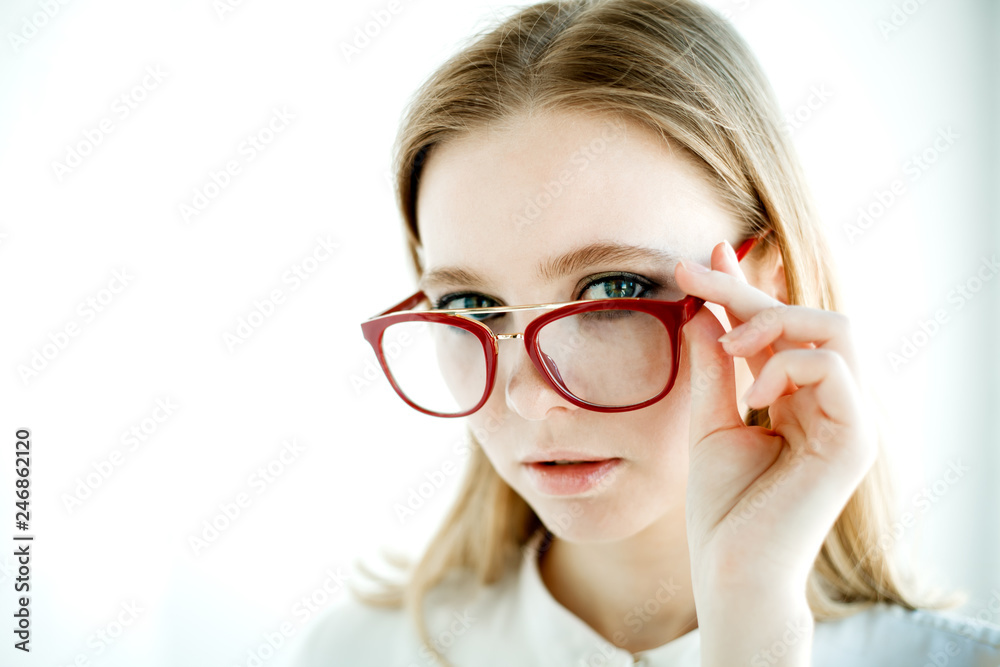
x=635, y=592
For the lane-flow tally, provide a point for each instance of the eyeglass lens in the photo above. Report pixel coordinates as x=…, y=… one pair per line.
x=439, y=367
x=611, y=358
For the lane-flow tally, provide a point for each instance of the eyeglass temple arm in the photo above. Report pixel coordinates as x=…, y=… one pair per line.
x=747, y=245
x=409, y=303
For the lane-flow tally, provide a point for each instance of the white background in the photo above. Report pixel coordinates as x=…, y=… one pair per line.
x=301, y=374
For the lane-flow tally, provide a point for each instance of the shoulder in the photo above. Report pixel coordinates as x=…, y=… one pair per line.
x=351, y=632
x=886, y=634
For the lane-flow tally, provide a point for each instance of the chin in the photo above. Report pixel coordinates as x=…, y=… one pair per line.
x=587, y=522
x=606, y=516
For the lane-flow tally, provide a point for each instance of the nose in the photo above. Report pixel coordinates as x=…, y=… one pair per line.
x=526, y=390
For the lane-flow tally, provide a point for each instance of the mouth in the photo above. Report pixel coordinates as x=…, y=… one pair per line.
x=566, y=463
x=564, y=457
x=562, y=477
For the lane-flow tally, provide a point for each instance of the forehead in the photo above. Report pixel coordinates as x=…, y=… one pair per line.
x=499, y=198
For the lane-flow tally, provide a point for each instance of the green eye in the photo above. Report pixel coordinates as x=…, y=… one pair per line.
x=468, y=301
x=613, y=287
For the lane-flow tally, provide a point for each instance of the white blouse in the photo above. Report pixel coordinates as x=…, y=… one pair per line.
x=517, y=622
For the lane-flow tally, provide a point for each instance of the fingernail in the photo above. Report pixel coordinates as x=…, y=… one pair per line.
x=695, y=267
x=732, y=334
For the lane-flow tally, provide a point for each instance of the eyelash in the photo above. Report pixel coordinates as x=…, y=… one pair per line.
x=648, y=286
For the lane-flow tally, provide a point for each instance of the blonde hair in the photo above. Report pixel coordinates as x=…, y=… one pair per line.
x=681, y=69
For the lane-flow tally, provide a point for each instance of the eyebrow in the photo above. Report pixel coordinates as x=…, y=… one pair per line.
x=571, y=262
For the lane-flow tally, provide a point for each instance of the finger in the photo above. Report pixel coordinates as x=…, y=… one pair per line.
x=805, y=327
x=713, y=383
x=720, y=261
x=724, y=259
x=784, y=418
x=823, y=370
x=737, y=296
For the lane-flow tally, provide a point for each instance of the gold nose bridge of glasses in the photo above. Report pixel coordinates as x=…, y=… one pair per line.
x=504, y=309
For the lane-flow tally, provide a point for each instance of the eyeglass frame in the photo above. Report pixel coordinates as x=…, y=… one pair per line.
x=672, y=314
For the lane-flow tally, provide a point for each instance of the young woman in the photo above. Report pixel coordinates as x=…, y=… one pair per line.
x=640, y=488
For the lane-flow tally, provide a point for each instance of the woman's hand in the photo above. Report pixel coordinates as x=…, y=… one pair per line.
x=760, y=502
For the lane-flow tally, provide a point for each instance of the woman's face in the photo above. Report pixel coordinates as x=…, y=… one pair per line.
x=503, y=202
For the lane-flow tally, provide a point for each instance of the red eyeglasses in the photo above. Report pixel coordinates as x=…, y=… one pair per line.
x=606, y=355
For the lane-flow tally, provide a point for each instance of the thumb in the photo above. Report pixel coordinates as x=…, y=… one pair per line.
x=713, y=382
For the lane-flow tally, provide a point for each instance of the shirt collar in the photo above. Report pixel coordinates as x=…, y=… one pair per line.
x=559, y=637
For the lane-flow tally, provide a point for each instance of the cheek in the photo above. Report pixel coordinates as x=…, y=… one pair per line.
x=659, y=434
x=490, y=427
